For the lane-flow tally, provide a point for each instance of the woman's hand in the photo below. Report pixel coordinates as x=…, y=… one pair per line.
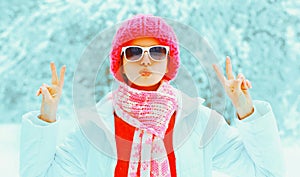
x=51, y=95
x=236, y=89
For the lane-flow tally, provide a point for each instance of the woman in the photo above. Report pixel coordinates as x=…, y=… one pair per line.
x=147, y=117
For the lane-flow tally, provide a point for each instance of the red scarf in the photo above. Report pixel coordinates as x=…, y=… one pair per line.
x=125, y=131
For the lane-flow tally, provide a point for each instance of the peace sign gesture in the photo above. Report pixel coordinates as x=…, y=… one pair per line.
x=51, y=94
x=236, y=89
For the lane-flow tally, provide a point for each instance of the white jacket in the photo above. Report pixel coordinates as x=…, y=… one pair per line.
x=251, y=150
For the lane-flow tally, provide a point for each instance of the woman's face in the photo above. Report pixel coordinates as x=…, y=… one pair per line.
x=145, y=72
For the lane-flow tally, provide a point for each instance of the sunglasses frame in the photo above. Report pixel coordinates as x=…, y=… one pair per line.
x=145, y=49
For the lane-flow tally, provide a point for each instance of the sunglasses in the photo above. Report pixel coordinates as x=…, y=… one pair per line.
x=136, y=53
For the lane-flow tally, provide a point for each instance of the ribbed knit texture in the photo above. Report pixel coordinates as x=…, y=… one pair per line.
x=147, y=110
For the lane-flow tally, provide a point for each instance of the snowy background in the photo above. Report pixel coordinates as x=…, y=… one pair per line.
x=262, y=38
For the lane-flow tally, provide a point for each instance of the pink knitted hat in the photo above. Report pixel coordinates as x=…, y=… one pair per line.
x=144, y=26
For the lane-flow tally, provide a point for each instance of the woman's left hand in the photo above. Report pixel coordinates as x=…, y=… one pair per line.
x=236, y=89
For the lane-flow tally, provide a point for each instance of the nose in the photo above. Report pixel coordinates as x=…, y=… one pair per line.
x=146, y=59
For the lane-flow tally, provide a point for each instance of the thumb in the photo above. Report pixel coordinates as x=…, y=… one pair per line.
x=45, y=92
x=245, y=90
x=238, y=84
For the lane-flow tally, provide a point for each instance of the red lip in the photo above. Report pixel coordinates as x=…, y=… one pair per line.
x=145, y=72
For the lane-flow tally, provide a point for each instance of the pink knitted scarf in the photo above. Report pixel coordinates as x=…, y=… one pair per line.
x=150, y=112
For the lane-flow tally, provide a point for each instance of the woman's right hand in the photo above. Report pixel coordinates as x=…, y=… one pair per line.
x=51, y=95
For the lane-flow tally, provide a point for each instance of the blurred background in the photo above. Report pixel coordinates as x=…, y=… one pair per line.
x=262, y=38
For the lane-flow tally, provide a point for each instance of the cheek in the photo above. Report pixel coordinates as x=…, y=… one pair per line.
x=126, y=67
x=130, y=69
x=161, y=67
x=122, y=61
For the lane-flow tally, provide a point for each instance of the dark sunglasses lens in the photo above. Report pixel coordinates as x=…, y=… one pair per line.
x=133, y=53
x=158, y=53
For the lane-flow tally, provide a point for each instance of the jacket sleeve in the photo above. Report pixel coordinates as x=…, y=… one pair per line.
x=252, y=148
x=39, y=155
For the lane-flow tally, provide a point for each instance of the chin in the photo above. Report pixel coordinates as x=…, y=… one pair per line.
x=145, y=84
x=147, y=81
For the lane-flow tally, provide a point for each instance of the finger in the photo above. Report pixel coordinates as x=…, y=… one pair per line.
x=53, y=92
x=229, y=68
x=38, y=92
x=62, y=76
x=245, y=88
x=219, y=74
x=240, y=85
x=47, y=87
x=54, y=74
x=244, y=85
x=241, y=76
x=45, y=93
x=248, y=83
x=239, y=82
